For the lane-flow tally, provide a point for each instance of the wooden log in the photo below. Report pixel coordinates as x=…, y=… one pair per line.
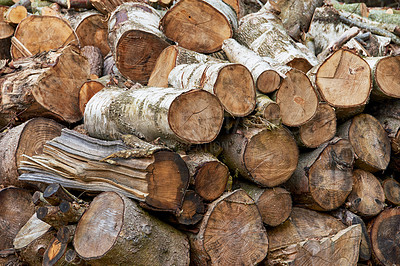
x=369, y=140
x=392, y=190
x=266, y=157
x=264, y=33
x=105, y=232
x=174, y=117
x=135, y=40
x=266, y=78
x=231, y=83
x=142, y=171
x=208, y=175
x=349, y=219
x=62, y=215
x=54, y=194
x=367, y=197
x=40, y=83
x=296, y=16
x=274, y=204
x=320, y=129
x=200, y=26
x=192, y=211
x=323, y=178
x=232, y=212
x=268, y=109
x=15, y=14
x=385, y=81
x=16, y=209
x=91, y=29
x=297, y=99
x=384, y=237
x=95, y=59
x=28, y=139
x=6, y=32
x=77, y=4
x=107, y=7
x=91, y=87
x=171, y=57
x=58, y=33
x=343, y=80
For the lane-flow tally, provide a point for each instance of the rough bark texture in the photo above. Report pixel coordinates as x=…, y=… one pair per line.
x=200, y=26
x=50, y=33
x=264, y=33
x=367, y=197
x=135, y=40
x=266, y=157
x=27, y=139
x=151, y=113
x=105, y=232
x=141, y=171
x=369, y=140
x=208, y=175
x=45, y=85
x=323, y=178
x=231, y=83
x=231, y=220
x=107, y=7
x=266, y=78
x=95, y=59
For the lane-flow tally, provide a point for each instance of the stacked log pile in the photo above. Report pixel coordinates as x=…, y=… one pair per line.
x=199, y=132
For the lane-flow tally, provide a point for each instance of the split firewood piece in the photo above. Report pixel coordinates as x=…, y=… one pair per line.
x=46, y=85
x=392, y=190
x=135, y=40
x=367, y=198
x=58, y=33
x=142, y=171
x=266, y=157
x=266, y=78
x=107, y=228
x=369, y=140
x=189, y=116
x=28, y=139
x=171, y=57
x=15, y=210
x=33, y=229
x=384, y=237
x=208, y=175
x=198, y=25
x=90, y=28
x=296, y=15
x=268, y=109
x=386, y=84
x=297, y=99
x=263, y=32
x=302, y=225
x=95, y=59
x=343, y=81
x=231, y=220
x=274, y=204
x=349, y=219
x=231, y=83
x=192, y=211
x=320, y=129
x=323, y=178
x=15, y=14
x=6, y=33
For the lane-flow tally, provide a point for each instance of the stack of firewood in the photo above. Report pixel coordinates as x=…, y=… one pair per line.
x=199, y=132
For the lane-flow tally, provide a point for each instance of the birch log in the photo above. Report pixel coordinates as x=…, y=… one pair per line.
x=57, y=33
x=189, y=116
x=264, y=33
x=135, y=40
x=386, y=81
x=268, y=109
x=266, y=78
x=323, y=178
x=266, y=157
x=199, y=25
x=106, y=231
x=231, y=83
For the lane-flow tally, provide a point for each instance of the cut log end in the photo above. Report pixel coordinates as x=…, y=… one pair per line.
x=196, y=123
x=136, y=54
x=197, y=26
x=166, y=61
x=387, y=77
x=275, y=206
x=87, y=91
x=210, y=190
x=344, y=80
x=297, y=99
x=266, y=162
x=392, y=190
x=268, y=81
x=234, y=87
x=300, y=64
